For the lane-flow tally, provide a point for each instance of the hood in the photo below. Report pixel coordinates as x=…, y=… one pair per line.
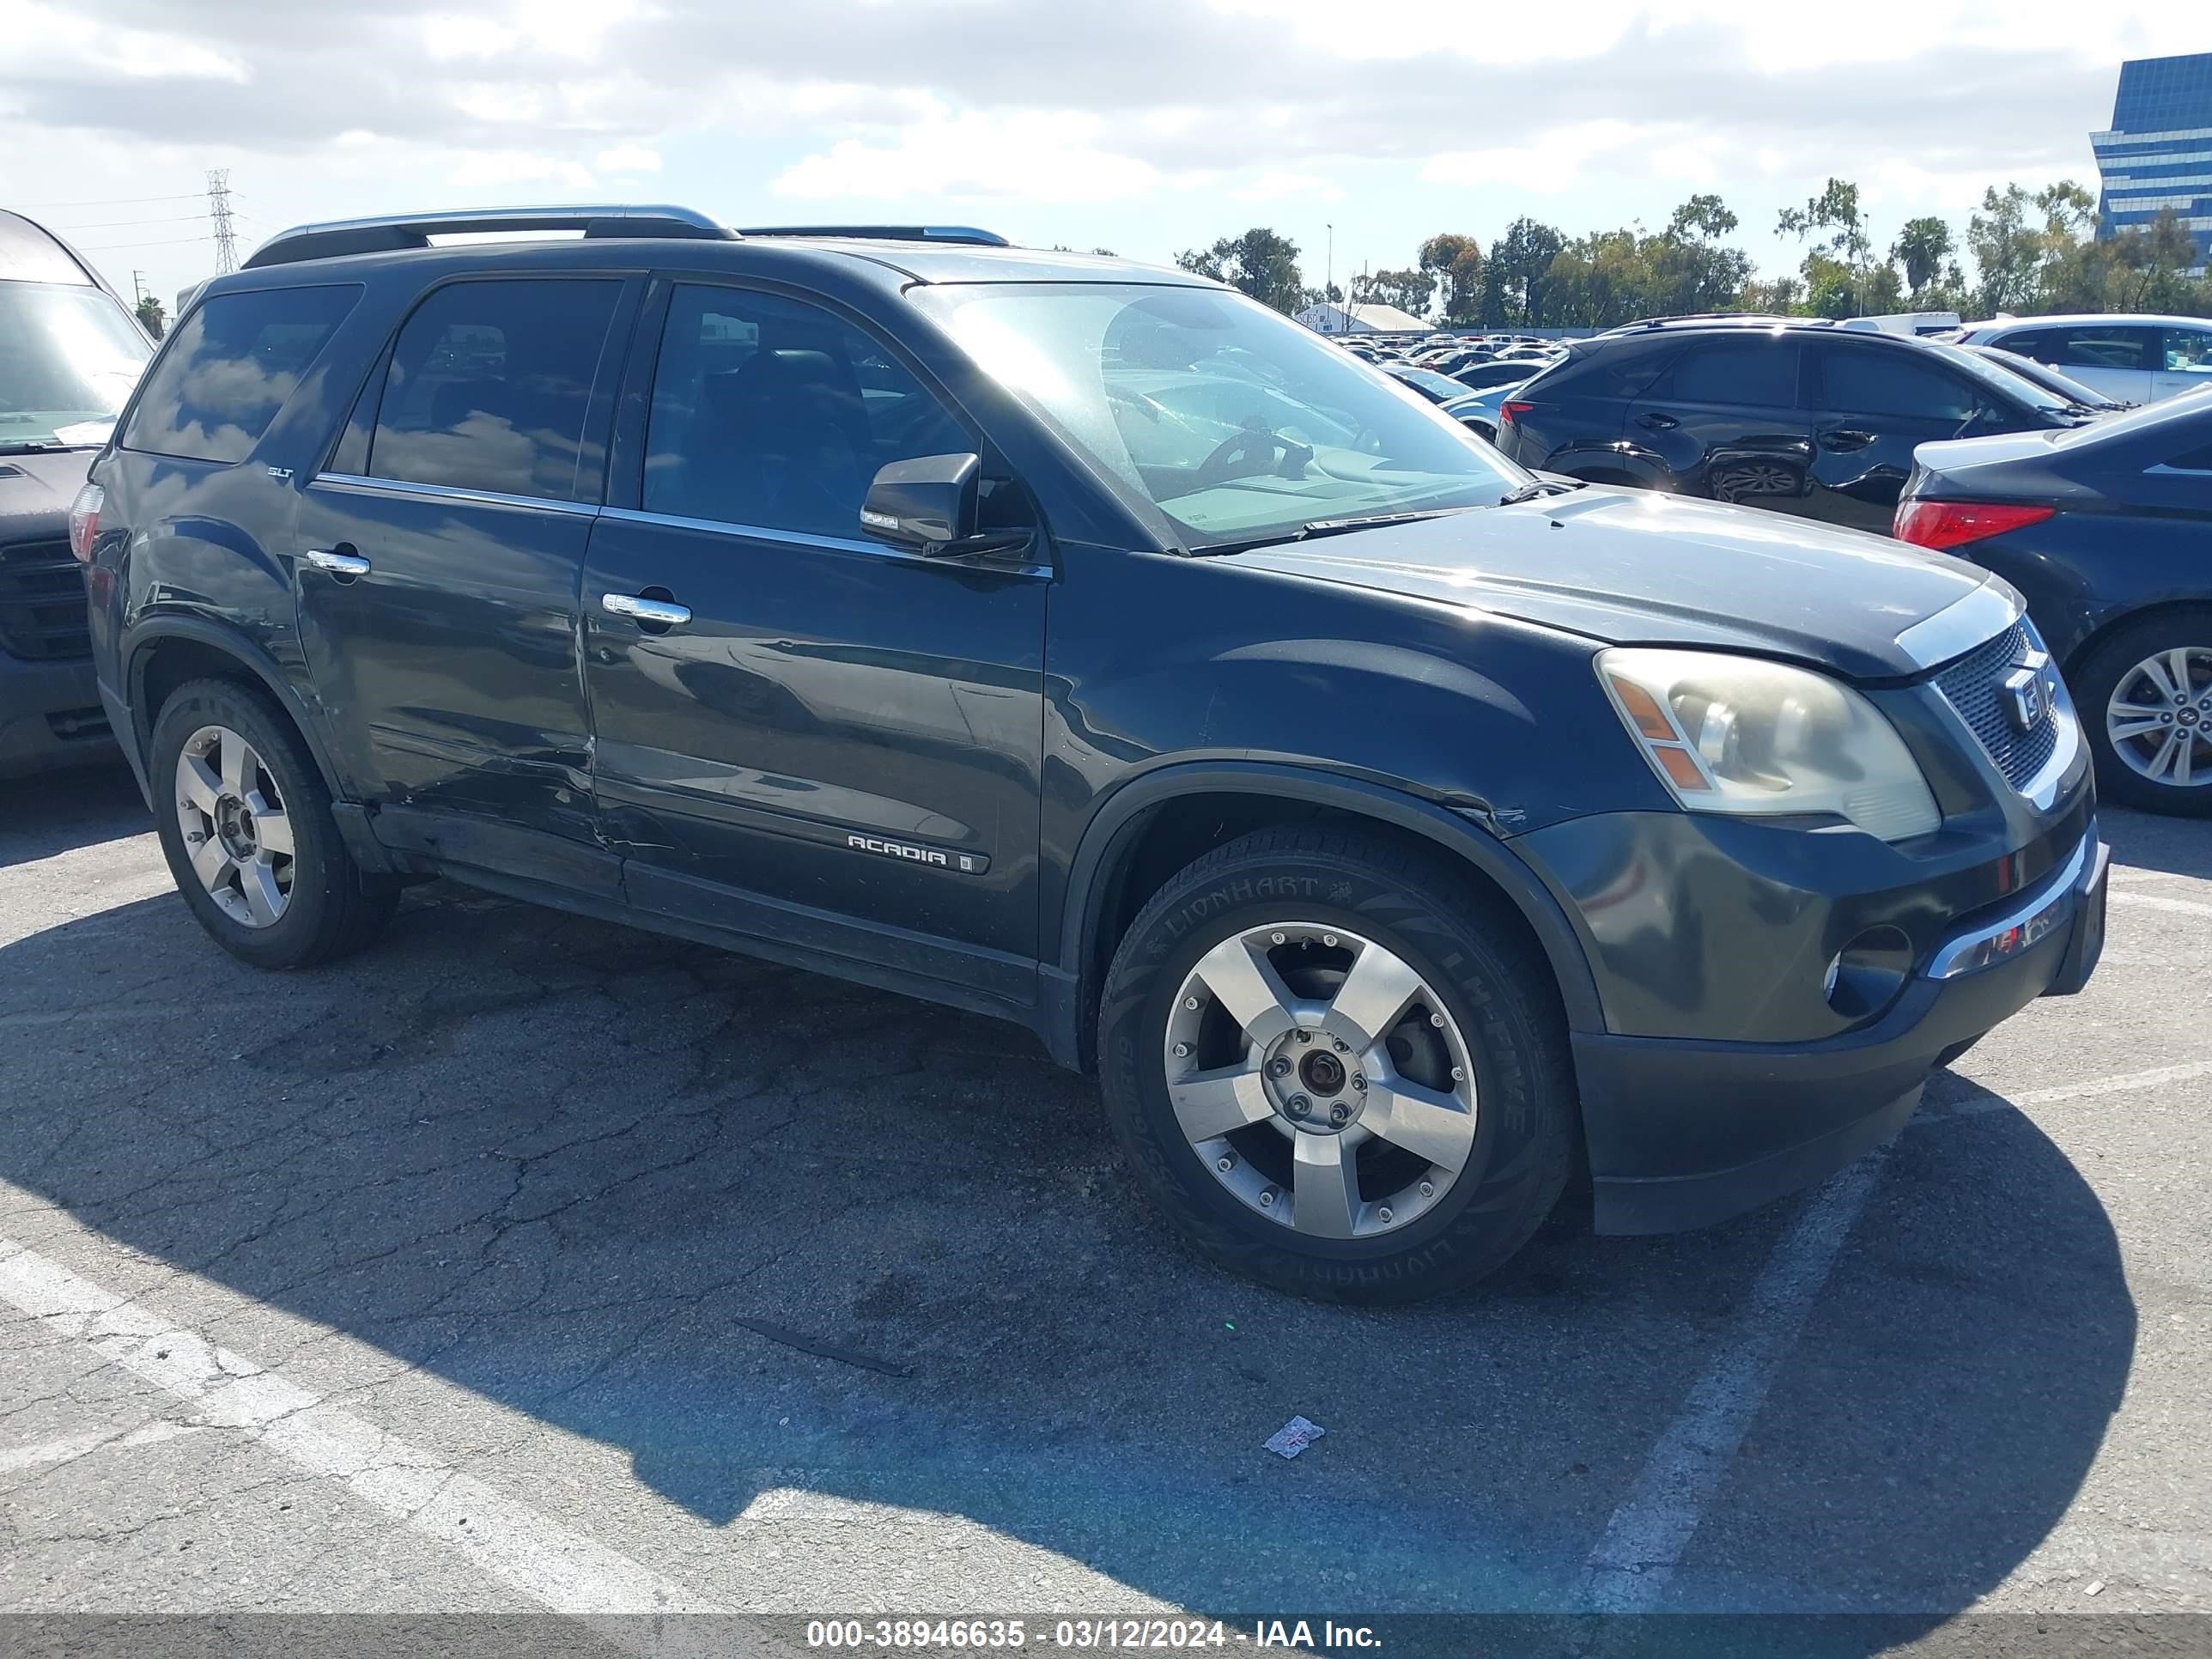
x=36, y=491
x=1636, y=567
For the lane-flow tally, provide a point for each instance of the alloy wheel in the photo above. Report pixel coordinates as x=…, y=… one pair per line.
x=236, y=830
x=2159, y=718
x=1321, y=1080
x=1754, y=482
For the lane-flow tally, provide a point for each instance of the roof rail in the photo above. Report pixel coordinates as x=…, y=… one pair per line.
x=1716, y=317
x=964, y=233
x=406, y=230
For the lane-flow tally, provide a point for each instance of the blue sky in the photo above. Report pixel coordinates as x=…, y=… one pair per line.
x=1142, y=126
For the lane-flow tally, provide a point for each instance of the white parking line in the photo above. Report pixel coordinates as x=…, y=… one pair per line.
x=511, y=1542
x=2088, y=1090
x=1629, y=1570
x=71, y=1447
x=2153, y=902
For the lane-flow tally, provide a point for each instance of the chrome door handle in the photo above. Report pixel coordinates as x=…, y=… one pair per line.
x=337, y=563
x=658, y=611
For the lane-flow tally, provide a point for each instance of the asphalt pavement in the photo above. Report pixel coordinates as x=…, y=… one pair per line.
x=527, y=1264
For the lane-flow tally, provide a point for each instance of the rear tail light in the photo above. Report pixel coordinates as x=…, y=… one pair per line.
x=1509, y=412
x=84, y=521
x=1953, y=523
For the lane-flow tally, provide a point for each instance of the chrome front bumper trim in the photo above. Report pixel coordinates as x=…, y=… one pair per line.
x=1958, y=626
x=2029, y=923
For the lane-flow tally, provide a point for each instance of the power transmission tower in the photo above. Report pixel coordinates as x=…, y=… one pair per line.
x=226, y=240
x=138, y=288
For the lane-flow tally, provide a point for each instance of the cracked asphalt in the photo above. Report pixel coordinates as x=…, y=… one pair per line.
x=755, y=1291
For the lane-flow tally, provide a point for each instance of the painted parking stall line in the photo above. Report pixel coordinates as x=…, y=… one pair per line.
x=1633, y=1563
x=510, y=1541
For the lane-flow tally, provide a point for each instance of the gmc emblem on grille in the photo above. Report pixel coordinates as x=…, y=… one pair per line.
x=2028, y=692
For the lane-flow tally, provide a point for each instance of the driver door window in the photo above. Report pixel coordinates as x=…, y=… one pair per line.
x=1891, y=383
x=775, y=415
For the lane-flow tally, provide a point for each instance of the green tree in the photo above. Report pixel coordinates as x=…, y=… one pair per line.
x=1703, y=218
x=1526, y=253
x=1259, y=262
x=1836, y=220
x=152, y=318
x=2008, y=249
x=1410, y=289
x=1921, y=247
x=1455, y=263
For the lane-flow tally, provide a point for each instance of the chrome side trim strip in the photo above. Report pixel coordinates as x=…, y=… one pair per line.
x=753, y=532
x=1958, y=626
x=2036, y=918
x=355, y=482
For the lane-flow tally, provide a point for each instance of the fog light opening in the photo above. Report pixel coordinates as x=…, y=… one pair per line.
x=1866, y=975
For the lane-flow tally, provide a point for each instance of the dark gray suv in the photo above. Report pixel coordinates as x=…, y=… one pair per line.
x=1396, y=832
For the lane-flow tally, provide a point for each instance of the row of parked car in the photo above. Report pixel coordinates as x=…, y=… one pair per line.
x=2096, y=504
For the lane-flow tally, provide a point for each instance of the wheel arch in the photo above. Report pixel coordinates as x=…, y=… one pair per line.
x=162, y=652
x=2120, y=620
x=1158, y=822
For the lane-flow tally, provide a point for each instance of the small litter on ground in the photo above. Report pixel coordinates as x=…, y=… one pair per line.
x=1294, y=1437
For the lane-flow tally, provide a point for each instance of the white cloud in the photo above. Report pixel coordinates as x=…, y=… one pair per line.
x=1275, y=185
x=1030, y=153
x=630, y=158
x=1549, y=163
x=515, y=166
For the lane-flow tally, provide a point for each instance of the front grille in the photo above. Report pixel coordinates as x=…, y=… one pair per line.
x=42, y=603
x=1974, y=686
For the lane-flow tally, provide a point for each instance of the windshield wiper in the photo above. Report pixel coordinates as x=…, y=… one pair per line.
x=1537, y=488
x=1313, y=529
x=30, y=446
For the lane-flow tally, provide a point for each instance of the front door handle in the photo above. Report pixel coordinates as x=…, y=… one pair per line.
x=340, y=560
x=1845, y=438
x=1657, y=421
x=659, y=613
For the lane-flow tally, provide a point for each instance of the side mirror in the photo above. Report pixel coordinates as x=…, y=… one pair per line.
x=926, y=505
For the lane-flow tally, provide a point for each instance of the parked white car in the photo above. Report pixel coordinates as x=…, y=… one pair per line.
x=2135, y=359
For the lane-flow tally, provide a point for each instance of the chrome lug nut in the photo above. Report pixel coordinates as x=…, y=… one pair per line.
x=1190, y=1002
x=1278, y=1067
x=1338, y=1113
x=1358, y=1080
x=1182, y=1051
x=1383, y=1215
x=1428, y=1189
x=1300, y=1106
x=1459, y=1074
x=1278, y=938
x=1437, y=1020
x=1329, y=940
x=1303, y=1036
x=1267, y=1197
x=1225, y=1163
x=1341, y=1049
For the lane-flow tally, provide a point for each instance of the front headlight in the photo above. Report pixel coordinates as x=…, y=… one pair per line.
x=1739, y=734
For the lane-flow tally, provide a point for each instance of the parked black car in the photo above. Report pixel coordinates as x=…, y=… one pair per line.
x=1082, y=643
x=1801, y=417
x=2107, y=530
x=70, y=352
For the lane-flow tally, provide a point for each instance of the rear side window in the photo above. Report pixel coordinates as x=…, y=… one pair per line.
x=1619, y=368
x=230, y=367
x=1756, y=374
x=2088, y=345
x=489, y=386
x=1893, y=383
x=2185, y=351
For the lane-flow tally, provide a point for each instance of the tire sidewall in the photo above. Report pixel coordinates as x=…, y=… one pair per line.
x=2099, y=678
x=1486, y=1214
x=319, y=862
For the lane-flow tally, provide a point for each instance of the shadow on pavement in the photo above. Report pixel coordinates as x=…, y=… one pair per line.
x=2181, y=847
x=42, y=815
x=615, y=1182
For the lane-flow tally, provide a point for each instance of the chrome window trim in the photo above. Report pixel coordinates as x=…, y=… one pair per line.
x=759, y=533
x=356, y=483
x=2055, y=900
x=1973, y=619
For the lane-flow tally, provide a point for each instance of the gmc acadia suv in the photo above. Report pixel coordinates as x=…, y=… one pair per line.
x=1396, y=832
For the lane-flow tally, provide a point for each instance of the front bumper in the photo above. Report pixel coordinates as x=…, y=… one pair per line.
x=49, y=717
x=1684, y=1132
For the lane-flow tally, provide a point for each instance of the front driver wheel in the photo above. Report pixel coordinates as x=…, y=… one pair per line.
x=1338, y=1067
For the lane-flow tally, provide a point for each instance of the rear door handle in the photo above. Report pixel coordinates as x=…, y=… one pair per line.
x=1845, y=438
x=1657, y=421
x=660, y=613
x=339, y=561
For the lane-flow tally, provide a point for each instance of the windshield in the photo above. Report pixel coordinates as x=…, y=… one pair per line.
x=2018, y=388
x=69, y=357
x=2043, y=375
x=1233, y=420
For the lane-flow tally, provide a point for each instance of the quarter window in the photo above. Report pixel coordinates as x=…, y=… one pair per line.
x=2186, y=351
x=770, y=413
x=1894, y=383
x=490, y=387
x=2086, y=346
x=1752, y=374
x=234, y=363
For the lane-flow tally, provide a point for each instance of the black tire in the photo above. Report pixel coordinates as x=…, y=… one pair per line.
x=1497, y=987
x=2097, y=676
x=334, y=908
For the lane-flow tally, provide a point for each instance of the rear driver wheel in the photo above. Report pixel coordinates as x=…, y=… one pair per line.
x=1337, y=1067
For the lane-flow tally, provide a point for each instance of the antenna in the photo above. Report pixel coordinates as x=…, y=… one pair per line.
x=226, y=240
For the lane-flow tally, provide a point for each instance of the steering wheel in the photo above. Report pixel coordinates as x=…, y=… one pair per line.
x=1250, y=453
